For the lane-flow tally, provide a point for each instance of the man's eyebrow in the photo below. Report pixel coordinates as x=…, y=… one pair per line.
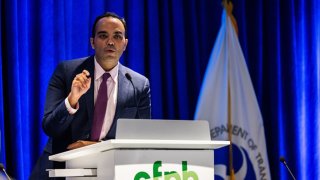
x=102, y=32
x=118, y=32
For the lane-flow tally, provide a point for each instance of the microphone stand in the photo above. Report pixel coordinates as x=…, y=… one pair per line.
x=285, y=163
x=4, y=170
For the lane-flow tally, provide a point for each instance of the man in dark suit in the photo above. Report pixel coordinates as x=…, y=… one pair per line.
x=71, y=110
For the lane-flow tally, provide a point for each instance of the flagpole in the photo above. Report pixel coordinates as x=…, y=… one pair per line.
x=232, y=176
x=227, y=4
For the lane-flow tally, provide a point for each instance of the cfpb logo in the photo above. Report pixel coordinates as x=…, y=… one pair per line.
x=157, y=174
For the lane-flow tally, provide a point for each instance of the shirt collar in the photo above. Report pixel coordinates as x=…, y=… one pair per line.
x=99, y=71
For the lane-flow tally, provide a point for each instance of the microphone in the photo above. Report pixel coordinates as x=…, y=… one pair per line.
x=128, y=76
x=4, y=170
x=282, y=159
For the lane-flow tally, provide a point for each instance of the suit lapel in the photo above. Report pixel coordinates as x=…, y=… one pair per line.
x=89, y=96
x=123, y=86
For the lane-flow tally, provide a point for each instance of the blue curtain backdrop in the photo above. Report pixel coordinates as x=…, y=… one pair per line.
x=170, y=42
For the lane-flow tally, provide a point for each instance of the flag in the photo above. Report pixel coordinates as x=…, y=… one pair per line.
x=228, y=101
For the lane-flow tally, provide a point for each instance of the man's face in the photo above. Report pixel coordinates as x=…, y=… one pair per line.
x=109, y=41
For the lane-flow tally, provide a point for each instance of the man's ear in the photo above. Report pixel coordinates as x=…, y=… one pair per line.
x=125, y=45
x=92, y=42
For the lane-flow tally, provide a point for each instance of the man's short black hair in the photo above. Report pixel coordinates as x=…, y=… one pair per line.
x=108, y=14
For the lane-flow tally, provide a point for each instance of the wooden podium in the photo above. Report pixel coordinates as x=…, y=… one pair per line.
x=149, y=158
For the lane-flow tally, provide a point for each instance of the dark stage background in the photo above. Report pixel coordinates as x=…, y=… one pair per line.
x=170, y=42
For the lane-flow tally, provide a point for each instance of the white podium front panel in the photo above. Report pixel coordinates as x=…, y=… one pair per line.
x=124, y=164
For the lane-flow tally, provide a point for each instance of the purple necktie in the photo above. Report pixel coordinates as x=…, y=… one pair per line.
x=100, y=108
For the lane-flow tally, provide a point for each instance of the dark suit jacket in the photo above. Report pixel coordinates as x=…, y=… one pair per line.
x=133, y=101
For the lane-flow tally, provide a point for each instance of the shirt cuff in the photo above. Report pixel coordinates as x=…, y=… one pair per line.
x=69, y=108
